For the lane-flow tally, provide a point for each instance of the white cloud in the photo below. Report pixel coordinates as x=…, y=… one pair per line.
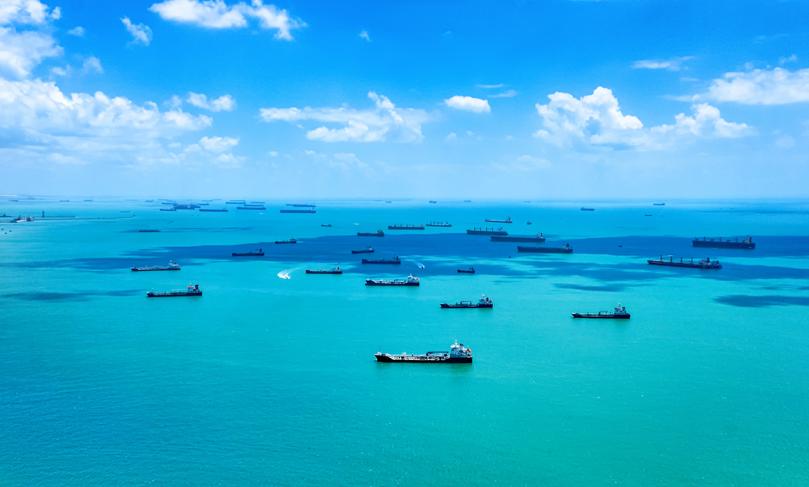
x=492, y=86
x=468, y=103
x=224, y=103
x=21, y=52
x=505, y=94
x=218, y=144
x=365, y=36
x=32, y=12
x=792, y=58
x=597, y=120
x=141, y=33
x=371, y=125
x=217, y=14
x=673, y=64
x=92, y=65
x=777, y=86
x=77, y=31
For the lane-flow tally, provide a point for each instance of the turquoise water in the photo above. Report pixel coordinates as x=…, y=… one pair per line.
x=272, y=381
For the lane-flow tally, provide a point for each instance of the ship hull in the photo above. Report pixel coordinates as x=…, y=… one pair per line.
x=421, y=359
x=362, y=251
x=723, y=245
x=601, y=317
x=240, y=254
x=687, y=265
x=463, y=306
x=159, y=269
x=310, y=271
x=173, y=295
x=391, y=284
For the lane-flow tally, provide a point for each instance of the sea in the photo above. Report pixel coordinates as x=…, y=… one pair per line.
x=269, y=378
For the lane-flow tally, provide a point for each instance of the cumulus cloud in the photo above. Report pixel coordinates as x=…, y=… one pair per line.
x=31, y=12
x=468, y=104
x=77, y=31
x=381, y=122
x=777, y=86
x=598, y=120
x=217, y=14
x=224, y=103
x=673, y=64
x=21, y=52
x=141, y=33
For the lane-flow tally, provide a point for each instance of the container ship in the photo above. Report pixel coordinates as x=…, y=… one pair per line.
x=458, y=354
x=171, y=266
x=335, y=270
x=439, y=224
x=498, y=220
x=408, y=281
x=539, y=238
x=706, y=263
x=191, y=290
x=284, y=242
x=483, y=303
x=250, y=253
x=297, y=210
x=618, y=313
x=369, y=250
x=565, y=249
x=725, y=243
x=378, y=233
x=405, y=227
x=393, y=261
x=486, y=231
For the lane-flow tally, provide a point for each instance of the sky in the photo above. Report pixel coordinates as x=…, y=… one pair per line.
x=419, y=99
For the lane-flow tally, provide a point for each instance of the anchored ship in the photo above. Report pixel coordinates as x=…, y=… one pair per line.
x=468, y=270
x=336, y=270
x=538, y=238
x=483, y=303
x=486, y=231
x=706, y=263
x=369, y=250
x=191, y=290
x=498, y=220
x=566, y=249
x=725, y=243
x=288, y=241
x=405, y=227
x=410, y=280
x=393, y=261
x=618, y=313
x=378, y=233
x=440, y=224
x=148, y=230
x=458, y=354
x=251, y=253
x=172, y=266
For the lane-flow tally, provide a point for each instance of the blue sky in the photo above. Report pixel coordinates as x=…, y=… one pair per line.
x=556, y=99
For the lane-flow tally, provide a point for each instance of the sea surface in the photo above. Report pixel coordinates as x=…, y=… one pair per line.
x=269, y=378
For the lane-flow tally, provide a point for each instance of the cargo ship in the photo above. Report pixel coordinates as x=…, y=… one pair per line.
x=585, y=208
x=410, y=280
x=251, y=253
x=538, y=238
x=565, y=249
x=148, y=230
x=405, y=227
x=369, y=250
x=252, y=207
x=440, y=224
x=336, y=270
x=483, y=303
x=468, y=270
x=171, y=266
x=725, y=243
x=618, y=313
x=288, y=241
x=393, y=261
x=486, y=231
x=458, y=354
x=706, y=263
x=191, y=290
x=498, y=220
x=660, y=203
x=378, y=233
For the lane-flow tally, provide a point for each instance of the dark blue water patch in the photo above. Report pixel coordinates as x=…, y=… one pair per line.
x=69, y=296
x=612, y=288
x=763, y=301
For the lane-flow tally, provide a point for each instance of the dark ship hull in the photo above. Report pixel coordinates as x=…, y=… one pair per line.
x=422, y=359
x=173, y=294
x=247, y=254
x=405, y=227
x=602, y=316
x=382, y=261
x=317, y=271
x=466, y=306
x=466, y=271
x=155, y=269
x=373, y=282
x=371, y=234
x=686, y=264
x=363, y=251
x=724, y=244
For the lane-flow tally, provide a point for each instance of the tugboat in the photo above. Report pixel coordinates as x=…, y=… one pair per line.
x=251, y=253
x=619, y=313
x=411, y=280
x=468, y=270
x=458, y=354
x=725, y=243
x=498, y=220
x=336, y=270
x=369, y=250
x=483, y=303
x=566, y=249
x=378, y=233
x=706, y=263
x=538, y=238
x=405, y=227
x=288, y=241
x=191, y=290
x=393, y=261
x=486, y=231
x=172, y=266
x=439, y=224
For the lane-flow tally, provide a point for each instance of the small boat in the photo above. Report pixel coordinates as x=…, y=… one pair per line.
x=288, y=241
x=191, y=290
x=335, y=270
x=496, y=220
x=393, y=261
x=486, y=231
x=439, y=224
x=483, y=303
x=171, y=266
x=706, y=263
x=468, y=270
x=378, y=233
x=618, y=313
x=458, y=354
x=369, y=250
x=585, y=208
x=566, y=249
x=405, y=227
x=409, y=281
x=251, y=253
x=724, y=243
